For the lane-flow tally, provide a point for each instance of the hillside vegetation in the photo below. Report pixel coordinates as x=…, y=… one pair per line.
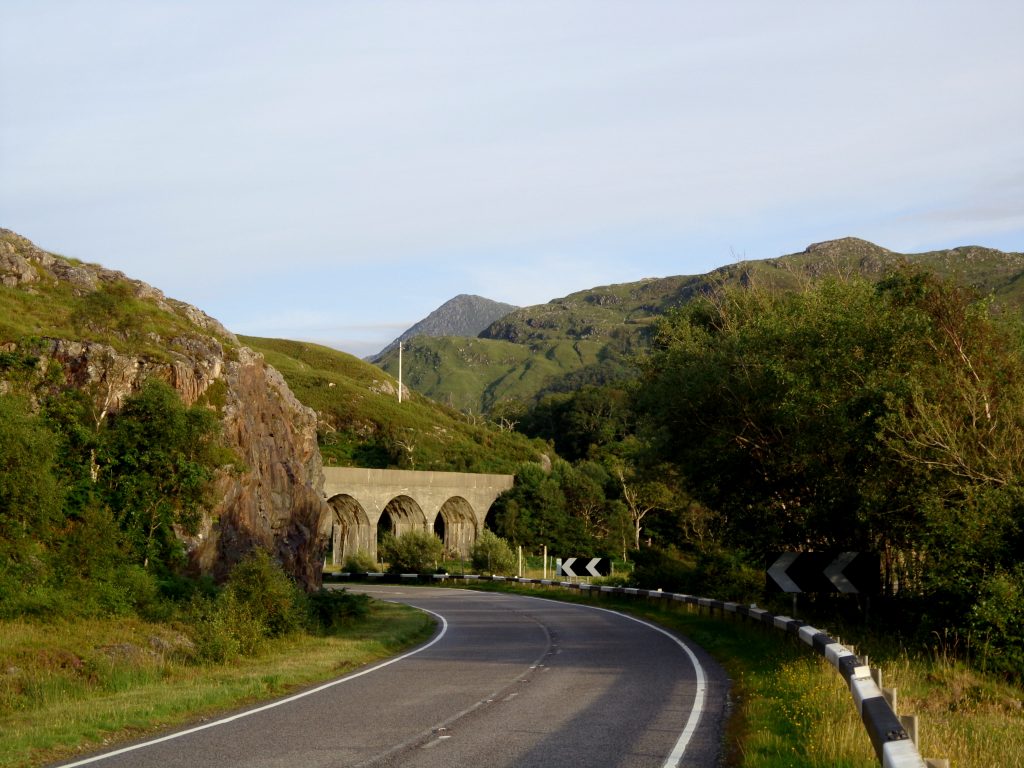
x=361, y=422
x=835, y=399
x=67, y=299
x=587, y=337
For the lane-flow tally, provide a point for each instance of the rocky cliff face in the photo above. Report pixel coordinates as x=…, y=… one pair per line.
x=276, y=501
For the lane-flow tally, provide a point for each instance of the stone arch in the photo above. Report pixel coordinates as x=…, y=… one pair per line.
x=457, y=523
x=401, y=514
x=350, y=529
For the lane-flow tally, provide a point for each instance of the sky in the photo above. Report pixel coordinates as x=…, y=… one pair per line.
x=334, y=171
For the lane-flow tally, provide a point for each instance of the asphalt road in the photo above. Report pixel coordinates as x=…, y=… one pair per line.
x=507, y=681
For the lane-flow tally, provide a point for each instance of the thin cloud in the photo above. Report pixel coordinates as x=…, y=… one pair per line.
x=373, y=160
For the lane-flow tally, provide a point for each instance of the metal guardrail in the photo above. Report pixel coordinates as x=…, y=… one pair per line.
x=893, y=745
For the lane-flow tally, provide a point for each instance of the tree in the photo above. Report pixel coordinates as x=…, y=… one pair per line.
x=30, y=496
x=536, y=511
x=964, y=418
x=642, y=497
x=961, y=425
x=885, y=418
x=412, y=552
x=585, y=498
x=156, y=460
x=492, y=554
x=769, y=406
x=582, y=422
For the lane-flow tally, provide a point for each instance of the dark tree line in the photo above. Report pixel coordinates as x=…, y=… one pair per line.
x=882, y=417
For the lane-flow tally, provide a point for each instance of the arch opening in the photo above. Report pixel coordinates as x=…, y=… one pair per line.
x=401, y=514
x=457, y=522
x=350, y=529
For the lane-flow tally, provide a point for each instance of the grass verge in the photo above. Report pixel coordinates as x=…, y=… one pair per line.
x=792, y=709
x=70, y=688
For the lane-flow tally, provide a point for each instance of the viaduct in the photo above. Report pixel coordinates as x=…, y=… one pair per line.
x=367, y=501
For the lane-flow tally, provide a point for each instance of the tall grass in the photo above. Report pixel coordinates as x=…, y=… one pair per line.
x=76, y=686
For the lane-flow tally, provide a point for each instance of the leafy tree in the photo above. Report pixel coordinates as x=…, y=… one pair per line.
x=581, y=423
x=961, y=426
x=157, y=458
x=69, y=414
x=492, y=554
x=583, y=487
x=412, y=552
x=963, y=418
x=886, y=418
x=770, y=407
x=30, y=496
x=535, y=512
x=642, y=496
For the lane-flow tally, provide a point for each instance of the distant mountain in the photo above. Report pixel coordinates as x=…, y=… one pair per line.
x=587, y=337
x=465, y=315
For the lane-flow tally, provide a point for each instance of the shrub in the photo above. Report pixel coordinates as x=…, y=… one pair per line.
x=657, y=569
x=492, y=554
x=223, y=628
x=715, y=573
x=273, y=599
x=332, y=608
x=361, y=562
x=724, y=575
x=998, y=616
x=258, y=601
x=412, y=552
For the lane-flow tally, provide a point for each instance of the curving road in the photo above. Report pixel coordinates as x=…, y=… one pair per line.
x=507, y=681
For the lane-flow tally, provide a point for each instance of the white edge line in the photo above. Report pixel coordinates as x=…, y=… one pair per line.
x=271, y=705
x=676, y=755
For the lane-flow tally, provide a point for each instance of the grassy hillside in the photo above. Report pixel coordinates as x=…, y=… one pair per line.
x=363, y=424
x=92, y=304
x=588, y=336
x=473, y=374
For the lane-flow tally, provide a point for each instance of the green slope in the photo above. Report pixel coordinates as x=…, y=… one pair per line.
x=363, y=424
x=92, y=304
x=588, y=336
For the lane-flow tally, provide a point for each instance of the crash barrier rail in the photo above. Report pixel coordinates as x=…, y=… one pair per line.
x=894, y=738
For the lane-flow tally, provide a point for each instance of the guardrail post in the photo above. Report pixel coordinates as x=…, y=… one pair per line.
x=910, y=724
x=889, y=694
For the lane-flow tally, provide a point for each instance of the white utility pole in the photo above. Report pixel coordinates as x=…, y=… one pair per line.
x=399, y=371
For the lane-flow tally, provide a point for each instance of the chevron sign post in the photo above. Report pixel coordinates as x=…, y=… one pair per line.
x=846, y=572
x=575, y=567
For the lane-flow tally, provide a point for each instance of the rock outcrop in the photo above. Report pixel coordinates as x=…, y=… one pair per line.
x=275, y=502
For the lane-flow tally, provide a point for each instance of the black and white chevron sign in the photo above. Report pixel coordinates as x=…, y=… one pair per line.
x=575, y=567
x=848, y=572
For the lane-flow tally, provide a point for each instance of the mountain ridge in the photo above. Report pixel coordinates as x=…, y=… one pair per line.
x=463, y=315
x=588, y=335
